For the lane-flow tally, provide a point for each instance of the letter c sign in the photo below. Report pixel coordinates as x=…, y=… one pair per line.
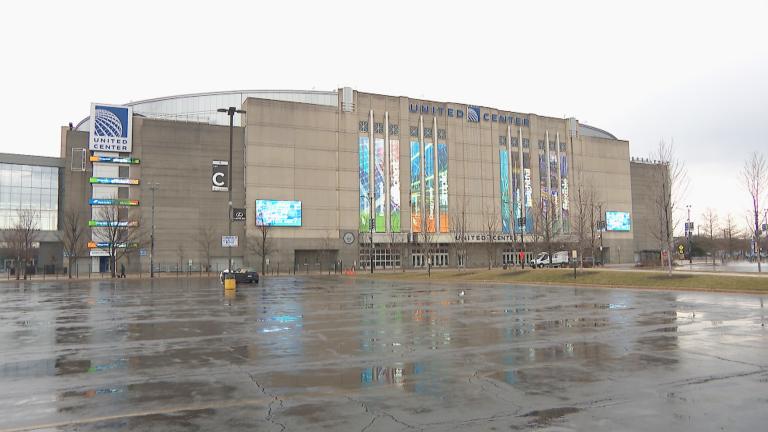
x=219, y=180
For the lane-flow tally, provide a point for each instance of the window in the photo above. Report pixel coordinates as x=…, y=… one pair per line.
x=378, y=128
x=26, y=187
x=502, y=140
x=541, y=144
x=517, y=121
x=562, y=147
x=427, y=132
x=526, y=143
x=383, y=258
x=441, y=134
x=363, y=126
x=394, y=129
x=525, y=122
x=513, y=142
x=414, y=131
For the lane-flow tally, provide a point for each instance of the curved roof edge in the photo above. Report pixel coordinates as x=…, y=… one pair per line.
x=226, y=92
x=585, y=129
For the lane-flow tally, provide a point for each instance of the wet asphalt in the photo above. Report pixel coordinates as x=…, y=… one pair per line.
x=340, y=354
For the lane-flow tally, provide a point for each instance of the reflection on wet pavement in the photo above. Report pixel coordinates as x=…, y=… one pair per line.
x=341, y=354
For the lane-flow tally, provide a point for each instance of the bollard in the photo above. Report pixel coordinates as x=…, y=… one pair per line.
x=230, y=284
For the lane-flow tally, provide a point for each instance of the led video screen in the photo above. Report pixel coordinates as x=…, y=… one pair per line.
x=617, y=221
x=278, y=213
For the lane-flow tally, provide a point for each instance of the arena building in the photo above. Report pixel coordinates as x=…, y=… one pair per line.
x=339, y=179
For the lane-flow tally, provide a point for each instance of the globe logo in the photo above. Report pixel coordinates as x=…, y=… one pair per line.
x=473, y=114
x=107, y=124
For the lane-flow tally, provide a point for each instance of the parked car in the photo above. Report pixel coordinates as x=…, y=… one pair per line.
x=242, y=275
x=559, y=259
x=591, y=262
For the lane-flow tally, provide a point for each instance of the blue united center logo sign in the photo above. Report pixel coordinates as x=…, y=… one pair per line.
x=473, y=114
x=111, y=128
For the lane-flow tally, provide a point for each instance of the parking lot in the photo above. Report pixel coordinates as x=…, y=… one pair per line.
x=305, y=353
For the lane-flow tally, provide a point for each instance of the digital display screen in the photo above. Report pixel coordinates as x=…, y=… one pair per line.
x=617, y=221
x=278, y=213
x=102, y=223
x=111, y=180
x=108, y=201
x=117, y=160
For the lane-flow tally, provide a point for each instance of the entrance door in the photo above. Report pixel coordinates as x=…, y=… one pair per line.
x=417, y=260
x=103, y=264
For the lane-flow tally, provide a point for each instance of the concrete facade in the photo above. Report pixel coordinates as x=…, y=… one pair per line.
x=309, y=151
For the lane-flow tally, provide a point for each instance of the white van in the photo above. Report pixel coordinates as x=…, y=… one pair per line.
x=559, y=259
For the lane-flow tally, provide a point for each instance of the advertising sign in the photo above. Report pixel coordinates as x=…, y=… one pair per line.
x=114, y=180
x=415, y=187
x=442, y=185
x=364, y=172
x=238, y=214
x=119, y=202
x=394, y=185
x=617, y=221
x=101, y=223
x=99, y=253
x=379, y=186
x=220, y=176
x=278, y=213
x=111, y=127
x=506, y=212
x=116, y=160
x=228, y=241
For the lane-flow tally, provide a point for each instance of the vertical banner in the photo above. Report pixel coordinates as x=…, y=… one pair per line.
x=504, y=191
x=554, y=181
x=415, y=187
x=442, y=184
x=516, y=213
x=394, y=185
x=379, y=185
x=365, y=203
x=543, y=182
x=528, y=187
x=429, y=184
x=564, y=192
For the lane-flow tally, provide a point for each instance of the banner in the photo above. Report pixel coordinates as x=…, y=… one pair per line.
x=506, y=212
x=415, y=187
x=379, y=185
x=111, y=180
x=429, y=185
x=394, y=185
x=564, y=193
x=220, y=176
x=442, y=185
x=365, y=204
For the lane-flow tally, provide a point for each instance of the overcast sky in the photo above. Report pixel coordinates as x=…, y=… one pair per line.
x=690, y=71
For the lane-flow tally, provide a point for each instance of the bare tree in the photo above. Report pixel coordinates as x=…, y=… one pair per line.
x=428, y=243
x=490, y=231
x=459, y=224
x=669, y=189
x=119, y=232
x=206, y=240
x=730, y=232
x=261, y=244
x=710, y=227
x=180, y=254
x=547, y=227
x=755, y=178
x=21, y=238
x=72, y=236
x=585, y=222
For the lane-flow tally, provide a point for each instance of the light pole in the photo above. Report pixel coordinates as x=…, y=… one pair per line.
x=153, y=187
x=600, y=227
x=688, y=235
x=231, y=113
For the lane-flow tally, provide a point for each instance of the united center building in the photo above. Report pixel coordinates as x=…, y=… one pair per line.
x=338, y=174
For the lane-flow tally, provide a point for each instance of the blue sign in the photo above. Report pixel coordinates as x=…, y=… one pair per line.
x=473, y=114
x=278, y=213
x=617, y=221
x=110, y=128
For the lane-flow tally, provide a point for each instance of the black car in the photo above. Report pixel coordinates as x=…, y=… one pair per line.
x=242, y=275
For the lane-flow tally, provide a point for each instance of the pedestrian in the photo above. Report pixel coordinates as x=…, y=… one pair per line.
x=122, y=270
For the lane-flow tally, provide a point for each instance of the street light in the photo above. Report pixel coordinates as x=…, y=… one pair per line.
x=231, y=113
x=153, y=187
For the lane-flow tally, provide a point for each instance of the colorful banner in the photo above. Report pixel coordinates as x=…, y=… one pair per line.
x=528, y=187
x=101, y=223
x=429, y=185
x=365, y=203
x=415, y=187
x=379, y=186
x=544, y=192
x=102, y=245
x=504, y=191
x=111, y=180
x=564, y=193
x=442, y=185
x=554, y=172
x=516, y=208
x=118, y=202
x=394, y=185
x=117, y=160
